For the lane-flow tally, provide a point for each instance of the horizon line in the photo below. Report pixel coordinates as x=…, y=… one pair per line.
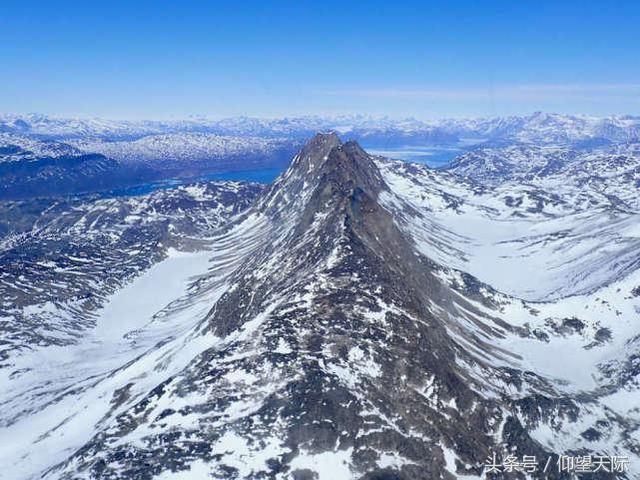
x=319, y=116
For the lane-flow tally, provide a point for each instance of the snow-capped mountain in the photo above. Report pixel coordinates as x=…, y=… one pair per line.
x=43, y=126
x=35, y=167
x=17, y=148
x=538, y=127
x=361, y=319
x=45, y=156
x=611, y=173
x=62, y=258
x=31, y=168
x=185, y=147
x=548, y=128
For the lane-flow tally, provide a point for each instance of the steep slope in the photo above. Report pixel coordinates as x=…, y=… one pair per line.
x=564, y=217
x=60, y=259
x=572, y=250
x=327, y=338
x=316, y=328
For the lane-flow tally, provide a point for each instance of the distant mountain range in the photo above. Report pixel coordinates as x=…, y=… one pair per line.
x=35, y=166
x=48, y=156
x=538, y=127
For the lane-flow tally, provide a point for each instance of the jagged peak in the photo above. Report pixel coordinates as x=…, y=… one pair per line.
x=313, y=153
x=324, y=138
x=322, y=149
x=323, y=162
x=350, y=167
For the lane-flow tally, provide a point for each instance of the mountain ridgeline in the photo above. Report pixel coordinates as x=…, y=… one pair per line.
x=343, y=328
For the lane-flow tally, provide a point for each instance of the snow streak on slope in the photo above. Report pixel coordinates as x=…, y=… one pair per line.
x=533, y=240
x=145, y=333
x=60, y=258
x=55, y=397
x=570, y=249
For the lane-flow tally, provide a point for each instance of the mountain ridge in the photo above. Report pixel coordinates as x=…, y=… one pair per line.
x=341, y=230
x=336, y=332
x=539, y=126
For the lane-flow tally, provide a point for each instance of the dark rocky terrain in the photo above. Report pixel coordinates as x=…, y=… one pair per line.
x=340, y=327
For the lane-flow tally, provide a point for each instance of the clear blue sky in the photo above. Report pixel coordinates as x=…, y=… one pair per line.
x=266, y=58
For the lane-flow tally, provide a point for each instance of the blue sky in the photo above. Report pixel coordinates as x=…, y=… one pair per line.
x=422, y=59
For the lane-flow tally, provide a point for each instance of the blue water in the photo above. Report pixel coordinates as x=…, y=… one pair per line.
x=263, y=175
x=432, y=155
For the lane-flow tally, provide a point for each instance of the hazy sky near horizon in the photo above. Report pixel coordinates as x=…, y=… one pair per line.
x=414, y=58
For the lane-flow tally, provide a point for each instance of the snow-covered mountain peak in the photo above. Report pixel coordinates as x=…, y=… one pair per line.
x=314, y=153
x=357, y=321
x=346, y=166
x=324, y=164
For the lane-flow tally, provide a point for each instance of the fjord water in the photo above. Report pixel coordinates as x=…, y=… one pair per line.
x=435, y=156
x=260, y=175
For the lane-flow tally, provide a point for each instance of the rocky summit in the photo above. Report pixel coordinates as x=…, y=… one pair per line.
x=362, y=319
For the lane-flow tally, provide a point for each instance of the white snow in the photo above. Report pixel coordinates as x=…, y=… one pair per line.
x=198, y=470
x=126, y=329
x=328, y=465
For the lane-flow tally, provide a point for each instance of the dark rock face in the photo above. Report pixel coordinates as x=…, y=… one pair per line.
x=331, y=350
